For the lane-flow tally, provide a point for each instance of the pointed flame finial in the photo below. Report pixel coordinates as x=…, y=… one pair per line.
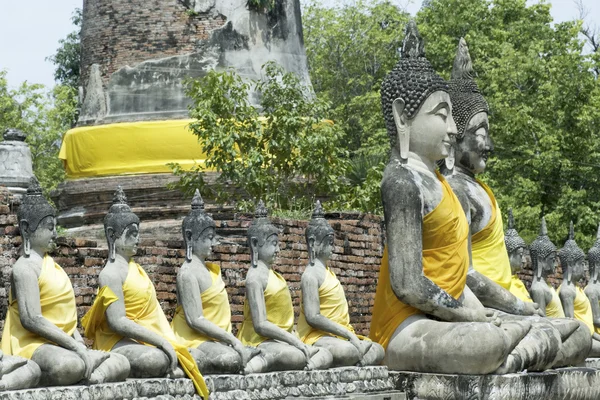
x=119, y=196
x=197, y=202
x=261, y=210
x=543, y=228
x=318, y=211
x=463, y=66
x=412, y=45
x=571, y=231
x=34, y=188
x=511, y=219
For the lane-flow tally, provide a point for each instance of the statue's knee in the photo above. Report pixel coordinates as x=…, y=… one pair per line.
x=231, y=360
x=152, y=363
x=68, y=372
x=120, y=363
x=294, y=358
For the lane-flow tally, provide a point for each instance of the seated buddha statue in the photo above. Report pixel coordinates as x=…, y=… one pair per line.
x=18, y=373
x=268, y=310
x=592, y=290
x=126, y=317
x=574, y=301
x=425, y=316
x=41, y=323
x=324, y=319
x=202, y=320
x=515, y=247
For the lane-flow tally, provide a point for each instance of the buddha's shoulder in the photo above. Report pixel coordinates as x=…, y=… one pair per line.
x=397, y=177
x=111, y=275
x=25, y=266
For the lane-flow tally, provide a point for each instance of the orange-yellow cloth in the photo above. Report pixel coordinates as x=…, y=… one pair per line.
x=518, y=289
x=333, y=306
x=57, y=300
x=215, y=308
x=554, y=308
x=280, y=311
x=445, y=262
x=488, y=250
x=582, y=308
x=142, y=307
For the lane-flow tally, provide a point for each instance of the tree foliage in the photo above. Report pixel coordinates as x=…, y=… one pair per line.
x=67, y=58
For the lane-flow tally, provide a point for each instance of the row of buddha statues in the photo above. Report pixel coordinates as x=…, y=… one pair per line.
x=448, y=299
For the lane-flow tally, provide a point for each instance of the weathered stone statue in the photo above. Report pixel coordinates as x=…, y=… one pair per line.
x=41, y=324
x=126, y=317
x=592, y=290
x=202, y=320
x=324, y=319
x=18, y=373
x=268, y=309
x=515, y=247
x=425, y=316
x=574, y=301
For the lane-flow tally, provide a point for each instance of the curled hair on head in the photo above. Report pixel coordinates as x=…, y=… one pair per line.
x=196, y=222
x=118, y=218
x=571, y=252
x=542, y=246
x=594, y=253
x=318, y=228
x=512, y=240
x=34, y=207
x=261, y=229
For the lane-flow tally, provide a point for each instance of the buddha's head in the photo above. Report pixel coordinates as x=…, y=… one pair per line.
x=572, y=258
x=198, y=230
x=37, y=220
x=263, y=237
x=594, y=258
x=515, y=245
x=470, y=112
x=543, y=253
x=122, y=228
x=319, y=236
x=416, y=104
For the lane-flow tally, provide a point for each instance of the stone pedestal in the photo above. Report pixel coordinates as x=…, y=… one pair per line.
x=15, y=162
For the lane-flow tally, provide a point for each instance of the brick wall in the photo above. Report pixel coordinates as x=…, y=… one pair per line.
x=116, y=33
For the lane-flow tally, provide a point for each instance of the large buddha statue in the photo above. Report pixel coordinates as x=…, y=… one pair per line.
x=324, y=319
x=515, y=247
x=592, y=290
x=126, y=317
x=18, y=373
x=424, y=315
x=268, y=310
x=41, y=324
x=574, y=301
x=202, y=320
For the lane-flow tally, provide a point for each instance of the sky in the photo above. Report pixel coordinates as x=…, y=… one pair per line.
x=30, y=31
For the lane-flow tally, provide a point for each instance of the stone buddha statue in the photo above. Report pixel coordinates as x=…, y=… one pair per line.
x=41, y=324
x=425, y=315
x=592, y=290
x=126, y=317
x=515, y=247
x=324, y=319
x=574, y=301
x=268, y=310
x=202, y=320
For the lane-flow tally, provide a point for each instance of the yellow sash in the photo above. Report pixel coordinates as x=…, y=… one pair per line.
x=445, y=262
x=488, y=250
x=518, y=289
x=582, y=308
x=57, y=300
x=280, y=311
x=554, y=309
x=142, y=307
x=334, y=307
x=215, y=307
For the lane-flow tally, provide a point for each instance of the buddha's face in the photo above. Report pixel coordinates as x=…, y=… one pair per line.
x=202, y=246
x=473, y=150
x=578, y=270
x=44, y=235
x=548, y=264
x=126, y=244
x=324, y=248
x=267, y=252
x=517, y=260
x=432, y=130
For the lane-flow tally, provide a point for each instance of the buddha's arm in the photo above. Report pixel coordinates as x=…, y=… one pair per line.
x=188, y=290
x=77, y=336
x=595, y=307
x=403, y=206
x=539, y=297
x=567, y=299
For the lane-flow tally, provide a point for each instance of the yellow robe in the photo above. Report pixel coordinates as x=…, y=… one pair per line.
x=582, y=308
x=333, y=306
x=488, y=250
x=445, y=262
x=280, y=311
x=57, y=300
x=554, y=309
x=215, y=308
x=142, y=307
x=518, y=289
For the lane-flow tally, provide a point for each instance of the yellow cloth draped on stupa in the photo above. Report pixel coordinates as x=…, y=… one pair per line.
x=582, y=308
x=215, y=308
x=280, y=311
x=445, y=262
x=57, y=300
x=518, y=289
x=488, y=250
x=142, y=307
x=333, y=306
x=554, y=308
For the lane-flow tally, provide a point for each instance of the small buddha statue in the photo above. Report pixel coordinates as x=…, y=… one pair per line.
x=268, y=310
x=41, y=323
x=18, y=373
x=515, y=247
x=126, y=317
x=324, y=319
x=574, y=301
x=425, y=316
x=202, y=320
x=592, y=290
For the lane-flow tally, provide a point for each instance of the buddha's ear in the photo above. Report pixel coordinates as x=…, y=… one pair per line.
x=311, y=249
x=24, y=227
x=110, y=232
x=187, y=238
x=401, y=121
x=254, y=251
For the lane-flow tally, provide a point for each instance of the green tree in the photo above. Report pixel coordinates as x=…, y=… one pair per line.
x=67, y=58
x=286, y=153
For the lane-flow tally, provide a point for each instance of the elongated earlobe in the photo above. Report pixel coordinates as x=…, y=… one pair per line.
x=311, y=250
x=449, y=161
x=401, y=128
x=253, y=252
x=188, y=245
